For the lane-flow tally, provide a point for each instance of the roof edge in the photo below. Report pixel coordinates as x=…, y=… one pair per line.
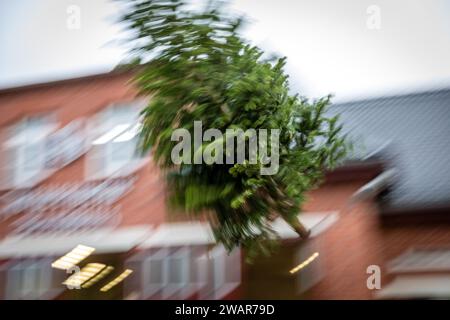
x=394, y=95
x=355, y=170
x=39, y=85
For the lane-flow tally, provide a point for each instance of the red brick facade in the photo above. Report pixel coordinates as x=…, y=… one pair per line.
x=356, y=241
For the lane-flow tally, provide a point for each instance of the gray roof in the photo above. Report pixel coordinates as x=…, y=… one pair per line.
x=411, y=133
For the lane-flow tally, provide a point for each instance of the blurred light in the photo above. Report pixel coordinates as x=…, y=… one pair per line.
x=84, y=275
x=114, y=282
x=129, y=134
x=111, y=134
x=72, y=258
x=98, y=277
x=304, y=263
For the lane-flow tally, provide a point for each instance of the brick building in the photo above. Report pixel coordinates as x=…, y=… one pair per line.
x=69, y=176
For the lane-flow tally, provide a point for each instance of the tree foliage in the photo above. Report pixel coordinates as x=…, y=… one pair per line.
x=196, y=67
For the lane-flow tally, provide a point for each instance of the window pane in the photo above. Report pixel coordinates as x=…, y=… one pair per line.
x=32, y=157
x=30, y=282
x=175, y=270
x=122, y=151
x=13, y=283
x=156, y=267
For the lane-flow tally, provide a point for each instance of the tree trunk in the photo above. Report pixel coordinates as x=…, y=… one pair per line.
x=298, y=227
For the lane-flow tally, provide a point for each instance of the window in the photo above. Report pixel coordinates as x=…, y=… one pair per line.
x=114, y=141
x=221, y=272
x=421, y=260
x=30, y=279
x=178, y=273
x=25, y=150
x=166, y=273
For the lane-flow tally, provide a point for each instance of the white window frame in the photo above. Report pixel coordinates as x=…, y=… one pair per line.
x=105, y=121
x=190, y=277
x=219, y=263
x=39, y=271
x=20, y=136
x=164, y=287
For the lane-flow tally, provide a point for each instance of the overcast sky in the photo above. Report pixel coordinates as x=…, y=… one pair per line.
x=329, y=46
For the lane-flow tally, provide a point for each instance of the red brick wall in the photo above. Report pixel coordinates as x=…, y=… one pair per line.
x=73, y=99
x=358, y=240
